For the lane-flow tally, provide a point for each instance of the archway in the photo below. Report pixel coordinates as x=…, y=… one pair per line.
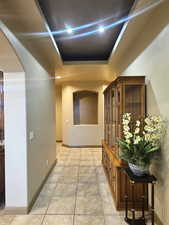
x=9, y=64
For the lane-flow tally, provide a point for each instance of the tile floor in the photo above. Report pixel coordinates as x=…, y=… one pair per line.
x=76, y=193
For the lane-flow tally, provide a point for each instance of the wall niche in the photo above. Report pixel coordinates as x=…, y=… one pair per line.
x=85, y=107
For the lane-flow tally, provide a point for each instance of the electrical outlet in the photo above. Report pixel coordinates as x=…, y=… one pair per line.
x=47, y=162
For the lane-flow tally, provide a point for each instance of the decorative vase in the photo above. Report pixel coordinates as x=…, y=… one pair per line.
x=137, y=170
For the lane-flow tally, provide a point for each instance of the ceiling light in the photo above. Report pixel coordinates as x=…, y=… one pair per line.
x=101, y=29
x=58, y=77
x=69, y=30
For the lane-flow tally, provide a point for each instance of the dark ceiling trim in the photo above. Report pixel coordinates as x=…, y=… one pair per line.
x=102, y=62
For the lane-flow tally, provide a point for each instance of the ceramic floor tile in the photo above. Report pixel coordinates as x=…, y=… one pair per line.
x=90, y=178
x=40, y=206
x=98, y=160
x=86, y=163
x=58, y=220
x=71, y=169
x=86, y=158
x=113, y=220
x=62, y=205
x=61, y=163
x=108, y=206
x=27, y=220
x=48, y=189
x=102, y=179
x=87, y=170
x=89, y=220
x=105, y=190
x=87, y=189
x=68, y=179
x=53, y=179
x=65, y=190
x=58, y=169
x=89, y=205
x=100, y=170
x=96, y=163
x=6, y=219
x=70, y=173
x=72, y=163
x=74, y=157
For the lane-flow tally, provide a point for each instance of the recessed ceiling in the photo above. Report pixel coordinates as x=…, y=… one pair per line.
x=67, y=14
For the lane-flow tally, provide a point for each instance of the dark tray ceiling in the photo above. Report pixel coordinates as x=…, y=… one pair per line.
x=62, y=13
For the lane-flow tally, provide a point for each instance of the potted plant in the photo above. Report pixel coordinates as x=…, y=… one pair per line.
x=141, y=142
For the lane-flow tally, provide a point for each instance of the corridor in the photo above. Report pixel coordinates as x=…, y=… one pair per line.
x=76, y=193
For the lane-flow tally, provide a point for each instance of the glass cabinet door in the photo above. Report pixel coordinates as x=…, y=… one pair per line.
x=118, y=115
x=113, y=117
x=109, y=117
x=134, y=99
x=118, y=112
x=106, y=118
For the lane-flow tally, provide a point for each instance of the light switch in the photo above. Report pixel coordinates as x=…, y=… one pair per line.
x=31, y=135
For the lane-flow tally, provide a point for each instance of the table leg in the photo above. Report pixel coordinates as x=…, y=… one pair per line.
x=133, y=205
x=152, y=203
x=126, y=199
x=143, y=215
x=143, y=202
x=126, y=207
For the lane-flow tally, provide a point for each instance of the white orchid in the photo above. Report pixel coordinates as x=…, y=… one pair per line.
x=128, y=135
x=138, y=123
x=125, y=122
x=151, y=132
x=141, y=141
x=128, y=141
x=126, y=128
x=147, y=137
x=137, y=139
x=153, y=129
x=137, y=130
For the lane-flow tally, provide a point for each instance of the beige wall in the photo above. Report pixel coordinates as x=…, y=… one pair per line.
x=76, y=135
x=154, y=63
x=58, y=113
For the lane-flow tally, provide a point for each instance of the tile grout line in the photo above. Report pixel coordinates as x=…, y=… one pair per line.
x=100, y=196
x=76, y=189
x=43, y=219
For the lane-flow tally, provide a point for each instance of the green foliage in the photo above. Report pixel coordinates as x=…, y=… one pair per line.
x=139, y=154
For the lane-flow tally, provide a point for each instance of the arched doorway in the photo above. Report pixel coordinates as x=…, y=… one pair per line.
x=9, y=64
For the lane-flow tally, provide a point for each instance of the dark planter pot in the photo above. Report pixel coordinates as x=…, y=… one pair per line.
x=137, y=170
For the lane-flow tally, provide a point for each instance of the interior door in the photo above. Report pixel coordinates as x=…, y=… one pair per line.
x=1, y=110
x=2, y=160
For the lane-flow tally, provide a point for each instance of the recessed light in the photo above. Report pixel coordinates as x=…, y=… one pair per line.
x=58, y=77
x=69, y=30
x=101, y=29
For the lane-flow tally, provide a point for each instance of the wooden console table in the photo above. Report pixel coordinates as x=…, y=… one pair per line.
x=138, y=180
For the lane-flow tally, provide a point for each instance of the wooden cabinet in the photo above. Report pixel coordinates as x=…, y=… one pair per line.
x=124, y=95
